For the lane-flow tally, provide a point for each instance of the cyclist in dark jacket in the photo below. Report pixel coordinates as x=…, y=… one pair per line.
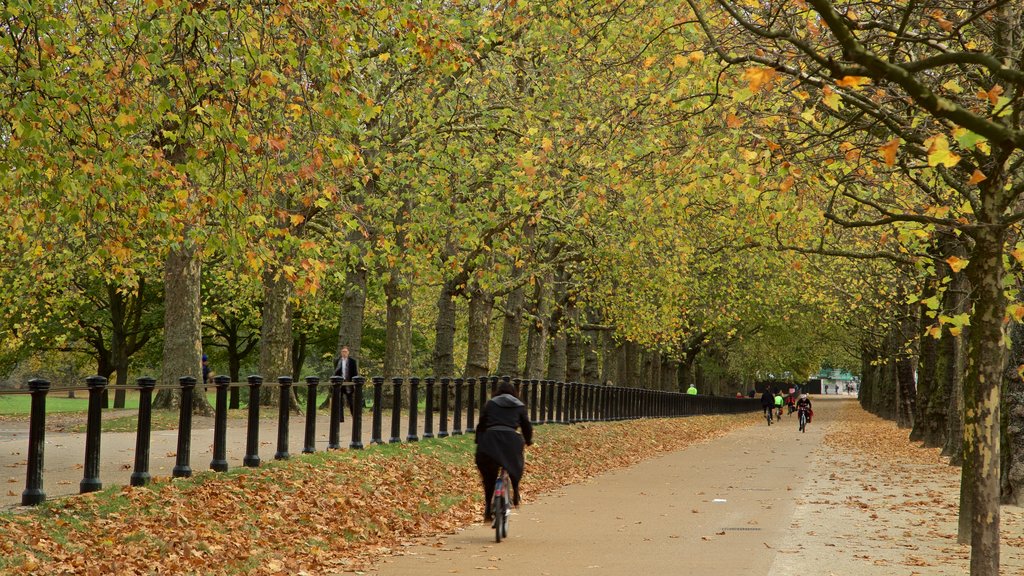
x=498, y=443
x=767, y=401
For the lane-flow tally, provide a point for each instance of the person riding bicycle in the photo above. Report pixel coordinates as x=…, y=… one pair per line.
x=498, y=442
x=767, y=402
x=778, y=404
x=804, y=404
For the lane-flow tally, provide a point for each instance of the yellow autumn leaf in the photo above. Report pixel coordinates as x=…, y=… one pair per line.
x=934, y=332
x=939, y=152
x=955, y=330
x=1018, y=254
x=957, y=264
x=384, y=57
x=679, y=61
x=546, y=144
x=1017, y=311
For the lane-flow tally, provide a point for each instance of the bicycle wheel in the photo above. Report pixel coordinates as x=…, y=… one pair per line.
x=803, y=422
x=507, y=506
x=498, y=508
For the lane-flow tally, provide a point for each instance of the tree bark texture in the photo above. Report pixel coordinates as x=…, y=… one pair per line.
x=183, y=331
x=444, y=332
x=1012, y=449
x=478, y=341
x=398, y=330
x=511, y=334
x=982, y=398
x=275, y=333
x=537, y=335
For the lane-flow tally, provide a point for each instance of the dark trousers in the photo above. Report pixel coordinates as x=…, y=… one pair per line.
x=488, y=468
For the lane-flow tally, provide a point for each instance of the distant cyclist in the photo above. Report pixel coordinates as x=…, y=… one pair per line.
x=803, y=404
x=767, y=403
x=498, y=443
x=778, y=404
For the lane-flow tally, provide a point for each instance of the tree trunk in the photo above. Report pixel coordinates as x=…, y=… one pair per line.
x=610, y=366
x=353, y=308
x=478, y=328
x=982, y=396
x=669, y=374
x=444, y=332
x=1012, y=470
x=537, y=336
x=183, y=336
x=591, y=360
x=398, y=334
x=631, y=376
x=557, y=358
x=573, y=349
x=275, y=333
x=511, y=334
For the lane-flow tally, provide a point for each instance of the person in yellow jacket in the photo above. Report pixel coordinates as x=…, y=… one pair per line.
x=692, y=390
x=778, y=404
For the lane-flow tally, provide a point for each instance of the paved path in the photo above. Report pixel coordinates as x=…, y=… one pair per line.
x=720, y=508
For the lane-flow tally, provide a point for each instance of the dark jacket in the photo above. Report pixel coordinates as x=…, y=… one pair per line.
x=767, y=399
x=353, y=368
x=496, y=434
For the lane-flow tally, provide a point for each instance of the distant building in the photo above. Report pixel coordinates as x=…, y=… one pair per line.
x=832, y=381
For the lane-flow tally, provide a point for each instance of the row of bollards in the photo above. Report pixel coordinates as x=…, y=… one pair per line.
x=547, y=402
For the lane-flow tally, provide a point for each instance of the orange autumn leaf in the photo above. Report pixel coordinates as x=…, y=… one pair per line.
x=759, y=77
x=854, y=82
x=888, y=151
x=957, y=264
x=977, y=177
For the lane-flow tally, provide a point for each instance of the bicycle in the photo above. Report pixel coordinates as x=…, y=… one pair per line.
x=501, y=505
x=803, y=420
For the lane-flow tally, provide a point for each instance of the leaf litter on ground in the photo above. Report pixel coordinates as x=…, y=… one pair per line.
x=323, y=513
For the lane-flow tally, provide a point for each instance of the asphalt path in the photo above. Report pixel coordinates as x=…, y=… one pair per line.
x=724, y=507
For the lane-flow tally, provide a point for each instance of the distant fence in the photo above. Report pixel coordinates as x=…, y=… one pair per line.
x=547, y=401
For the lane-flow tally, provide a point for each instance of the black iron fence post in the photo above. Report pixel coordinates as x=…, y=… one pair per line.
x=534, y=384
x=551, y=402
x=396, y=411
x=252, y=431
x=560, y=396
x=93, y=431
x=283, y=413
x=183, y=455
x=470, y=422
x=357, y=413
x=337, y=410
x=309, y=444
x=457, y=420
x=219, y=463
x=33, y=493
x=484, y=393
x=428, y=410
x=442, y=430
x=140, y=476
x=414, y=408
x=378, y=399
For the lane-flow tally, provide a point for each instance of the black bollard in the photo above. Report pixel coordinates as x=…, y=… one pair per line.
x=283, y=413
x=337, y=411
x=357, y=413
x=414, y=408
x=33, y=493
x=572, y=403
x=140, y=476
x=459, y=392
x=485, y=393
x=183, y=456
x=442, y=431
x=534, y=384
x=428, y=410
x=542, y=408
x=219, y=462
x=396, y=411
x=252, y=435
x=378, y=399
x=91, y=479
x=560, y=395
x=310, y=444
x=551, y=402
x=470, y=423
